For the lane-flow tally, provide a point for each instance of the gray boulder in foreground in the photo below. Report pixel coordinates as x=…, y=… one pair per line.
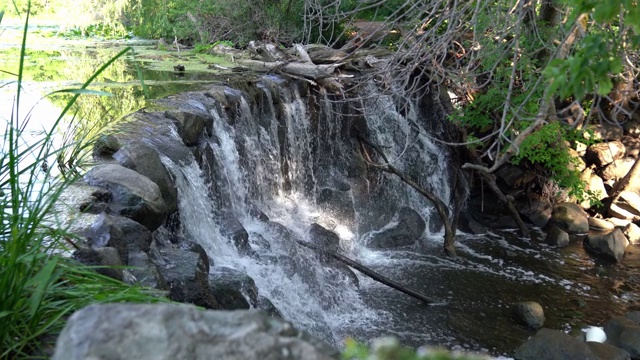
x=177, y=331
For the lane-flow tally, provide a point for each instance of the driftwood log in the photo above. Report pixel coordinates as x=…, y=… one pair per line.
x=371, y=273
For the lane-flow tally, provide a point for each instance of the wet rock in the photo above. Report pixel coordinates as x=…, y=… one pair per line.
x=337, y=202
x=323, y=238
x=184, y=272
x=190, y=125
x=104, y=232
x=259, y=243
x=177, y=331
x=145, y=160
x=605, y=153
x=106, y=259
x=550, y=344
x=233, y=288
x=134, y=195
x=610, y=245
x=267, y=306
x=557, y=237
x=625, y=334
x=599, y=224
x=529, y=313
x=405, y=229
x=105, y=146
x=570, y=218
x=143, y=269
x=608, y=352
x=617, y=169
x=632, y=232
x=233, y=229
x=538, y=212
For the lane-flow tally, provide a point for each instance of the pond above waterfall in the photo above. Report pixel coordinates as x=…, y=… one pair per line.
x=296, y=165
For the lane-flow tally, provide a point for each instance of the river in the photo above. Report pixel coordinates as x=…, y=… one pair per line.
x=476, y=290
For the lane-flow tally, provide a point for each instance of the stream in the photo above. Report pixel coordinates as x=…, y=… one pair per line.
x=475, y=291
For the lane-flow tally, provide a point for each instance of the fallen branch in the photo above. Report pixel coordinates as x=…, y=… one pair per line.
x=372, y=274
x=307, y=70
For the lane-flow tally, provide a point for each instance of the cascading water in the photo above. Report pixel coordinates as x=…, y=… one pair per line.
x=299, y=166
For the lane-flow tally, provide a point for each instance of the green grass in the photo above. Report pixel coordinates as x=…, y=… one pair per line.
x=39, y=288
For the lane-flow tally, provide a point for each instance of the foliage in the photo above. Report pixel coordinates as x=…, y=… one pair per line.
x=390, y=349
x=39, y=287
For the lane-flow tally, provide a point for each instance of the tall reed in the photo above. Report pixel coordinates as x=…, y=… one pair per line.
x=39, y=288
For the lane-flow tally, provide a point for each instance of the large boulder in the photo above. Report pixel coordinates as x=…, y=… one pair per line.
x=608, y=352
x=611, y=244
x=183, y=270
x=119, y=232
x=177, y=331
x=106, y=260
x=570, y=218
x=632, y=232
x=143, y=270
x=595, y=185
x=323, y=238
x=538, y=212
x=600, y=224
x=143, y=159
x=628, y=204
x=133, y=195
x=617, y=169
x=550, y=344
x=605, y=153
x=405, y=229
x=625, y=334
x=232, y=288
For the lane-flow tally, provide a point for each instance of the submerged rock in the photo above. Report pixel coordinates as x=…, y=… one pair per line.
x=232, y=228
x=529, y=313
x=172, y=331
x=405, y=229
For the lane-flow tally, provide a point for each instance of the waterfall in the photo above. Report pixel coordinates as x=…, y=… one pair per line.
x=290, y=156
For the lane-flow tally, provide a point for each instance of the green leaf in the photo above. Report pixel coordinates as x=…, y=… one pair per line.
x=605, y=87
x=42, y=280
x=82, y=92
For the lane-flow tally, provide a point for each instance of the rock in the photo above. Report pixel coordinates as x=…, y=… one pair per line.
x=104, y=232
x=611, y=245
x=323, y=238
x=233, y=288
x=338, y=203
x=511, y=175
x=617, y=169
x=143, y=269
x=232, y=229
x=145, y=160
x=632, y=127
x=596, y=186
x=615, y=211
x=599, y=224
x=619, y=223
x=625, y=334
x=105, y=146
x=267, y=306
x=184, y=273
x=529, y=313
x=106, y=259
x=605, y=153
x=632, y=232
x=134, y=195
x=538, y=212
x=570, y=218
x=550, y=344
x=405, y=229
x=630, y=202
x=604, y=131
x=632, y=145
x=633, y=316
x=577, y=163
x=190, y=125
x=557, y=237
x=178, y=331
x=608, y=352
